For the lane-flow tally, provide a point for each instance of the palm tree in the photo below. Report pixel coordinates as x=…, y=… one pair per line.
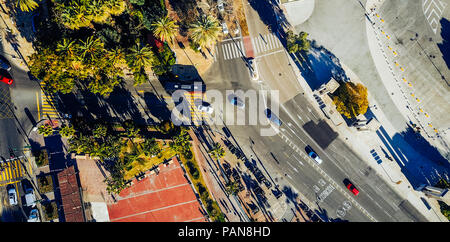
x=45, y=130
x=66, y=47
x=165, y=29
x=217, y=151
x=139, y=57
x=205, y=31
x=90, y=49
x=67, y=131
x=26, y=5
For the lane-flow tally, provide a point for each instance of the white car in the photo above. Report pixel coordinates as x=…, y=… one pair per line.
x=224, y=28
x=12, y=195
x=253, y=69
x=220, y=6
x=205, y=109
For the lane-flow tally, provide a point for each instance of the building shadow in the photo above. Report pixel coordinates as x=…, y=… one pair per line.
x=419, y=161
x=271, y=14
x=445, y=45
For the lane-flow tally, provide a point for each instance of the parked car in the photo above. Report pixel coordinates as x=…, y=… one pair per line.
x=351, y=187
x=34, y=216
x=4, y=63
x=220, y=6
x=12, y=195
x=313, y=154
x=237, y=102
x=253, y=68
x=6, y=80
x=206, y=109
x=224, y=28
x=272, y=117
x=30, y=198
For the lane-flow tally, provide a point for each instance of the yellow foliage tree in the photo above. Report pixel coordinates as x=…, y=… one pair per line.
x=351, y=99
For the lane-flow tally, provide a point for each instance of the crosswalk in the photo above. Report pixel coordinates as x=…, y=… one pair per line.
x=47, y=106
x=232, y=49
x=11, y=171
x=197, y=116
x=433, y=10
x=264, y=43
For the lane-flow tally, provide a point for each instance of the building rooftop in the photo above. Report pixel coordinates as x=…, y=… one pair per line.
x=70, y=195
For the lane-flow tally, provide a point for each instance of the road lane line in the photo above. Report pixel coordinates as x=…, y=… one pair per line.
x=37, y=104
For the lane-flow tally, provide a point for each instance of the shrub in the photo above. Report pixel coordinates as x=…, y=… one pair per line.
x=193, y=170
x=45, y=184
x=41, y=158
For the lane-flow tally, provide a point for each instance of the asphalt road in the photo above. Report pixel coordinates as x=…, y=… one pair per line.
x=18, y=110
x=376, y=201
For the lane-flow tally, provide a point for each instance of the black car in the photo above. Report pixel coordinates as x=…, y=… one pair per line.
x=4, y=63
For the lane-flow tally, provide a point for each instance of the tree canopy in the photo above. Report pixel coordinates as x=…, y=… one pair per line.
x=351, y=99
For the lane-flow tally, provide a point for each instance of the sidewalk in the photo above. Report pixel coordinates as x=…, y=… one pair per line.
x=229, y=207
x=15, y=46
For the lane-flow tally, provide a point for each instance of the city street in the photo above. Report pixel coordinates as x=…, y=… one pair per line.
x=284, y=156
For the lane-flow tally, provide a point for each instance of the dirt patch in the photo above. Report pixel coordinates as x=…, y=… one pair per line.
x=240, y=14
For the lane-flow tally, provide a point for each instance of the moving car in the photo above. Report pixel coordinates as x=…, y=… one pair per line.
x=12, y=195
x=272, y=117
x=4, y=63
x=253, y=69
x=34, y=216
x=237, y=102
x=313, y=154
x=205, y=108
x=351, y=187
x=6, y=80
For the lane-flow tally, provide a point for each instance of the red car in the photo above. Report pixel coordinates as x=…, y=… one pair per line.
x=6, y=80
x=351, y=187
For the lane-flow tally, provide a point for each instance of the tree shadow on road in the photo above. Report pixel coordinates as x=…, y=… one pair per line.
x=445, y=45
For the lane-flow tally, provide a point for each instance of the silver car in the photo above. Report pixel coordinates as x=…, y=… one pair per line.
x=237, y=102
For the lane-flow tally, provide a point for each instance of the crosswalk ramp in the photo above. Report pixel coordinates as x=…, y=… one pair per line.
x=232, y=49
x=11, y=171
x=48, y=105
x=197, y=116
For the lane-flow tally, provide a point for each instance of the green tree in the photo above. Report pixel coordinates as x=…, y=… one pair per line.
x=217, y=151
x=232, y=187
x=163, y=62
x=139, y=57
x=116, y=182
x=205, y=31
x=26, y=5
x=351, y=99
x=165, y=29
x=76, y=14
x=100, y=131
x=45, y=130
x=150, y=147
x=67, y=131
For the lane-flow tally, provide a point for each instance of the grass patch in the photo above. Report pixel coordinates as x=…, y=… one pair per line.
x=241, y=17
x=212, y=208
x=41, y=157
x=45, y=184
x=50, y=211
